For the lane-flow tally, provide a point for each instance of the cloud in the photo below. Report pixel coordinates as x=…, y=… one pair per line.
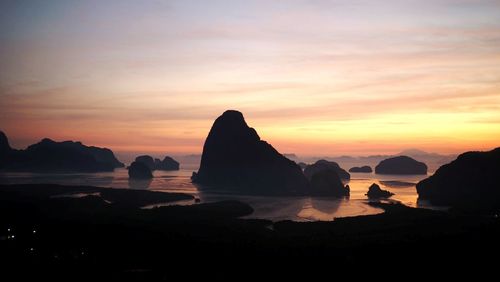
x=338, y=67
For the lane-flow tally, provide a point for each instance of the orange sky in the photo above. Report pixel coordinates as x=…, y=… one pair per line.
x=313, y=77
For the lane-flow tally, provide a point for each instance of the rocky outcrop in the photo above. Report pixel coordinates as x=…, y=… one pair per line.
x=322, y=165
x=469, y=181
x=375, y=192
x=328, y=183
x=235, y=158
x=51, y=156
x=362, y=169
x=401, y=165
x=167, y=163
x=147, y=160
x=139, y=170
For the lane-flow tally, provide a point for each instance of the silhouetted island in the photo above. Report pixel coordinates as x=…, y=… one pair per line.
x=375, y=192
x=322, y=165
x=328, y=183
x=167, y=163
x=471, y=181
x=401, y=165
x=235, y=158
x=139, y=170
x=51, y=156
x=362, y=169
x=147, y=160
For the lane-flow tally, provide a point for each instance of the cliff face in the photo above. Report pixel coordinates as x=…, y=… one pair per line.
x=235, y=158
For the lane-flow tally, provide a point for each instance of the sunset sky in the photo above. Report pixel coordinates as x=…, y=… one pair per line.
x=317, y=77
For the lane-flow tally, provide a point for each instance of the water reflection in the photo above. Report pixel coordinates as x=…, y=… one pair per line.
x=397, y=184
x=326, y=209
x=319, y=209
x=273, y=208
x=139, y=184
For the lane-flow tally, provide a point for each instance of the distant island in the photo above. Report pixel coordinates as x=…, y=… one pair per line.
x=401, y=165
x=362, y=169
x=51, y=156
x=432, y=160
x=168, y=163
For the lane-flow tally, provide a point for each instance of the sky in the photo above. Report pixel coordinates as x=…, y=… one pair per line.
x=313, y=77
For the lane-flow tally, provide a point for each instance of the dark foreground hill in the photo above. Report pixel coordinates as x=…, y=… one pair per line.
x=469, y=182
x=106, y=235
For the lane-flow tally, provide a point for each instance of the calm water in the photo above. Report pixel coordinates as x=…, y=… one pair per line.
x=273, y=208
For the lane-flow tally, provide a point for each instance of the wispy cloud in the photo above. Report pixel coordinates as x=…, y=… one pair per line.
x=343, y=71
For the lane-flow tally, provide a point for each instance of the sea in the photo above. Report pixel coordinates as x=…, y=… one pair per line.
x=271, y=208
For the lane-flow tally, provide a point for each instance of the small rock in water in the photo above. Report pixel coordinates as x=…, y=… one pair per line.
x=374, y=192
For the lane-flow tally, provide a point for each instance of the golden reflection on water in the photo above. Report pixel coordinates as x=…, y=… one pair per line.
x=326, y=209
x=273, y=208
x=403, y=186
